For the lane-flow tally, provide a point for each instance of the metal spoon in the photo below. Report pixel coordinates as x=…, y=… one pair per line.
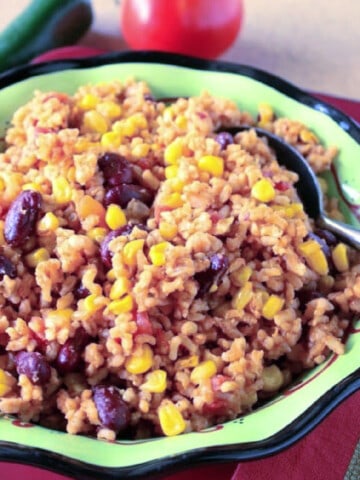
x=307, y=187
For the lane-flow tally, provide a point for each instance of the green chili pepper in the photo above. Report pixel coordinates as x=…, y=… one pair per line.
x=43, y=25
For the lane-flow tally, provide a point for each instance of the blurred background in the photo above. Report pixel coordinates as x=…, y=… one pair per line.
x=314, y=44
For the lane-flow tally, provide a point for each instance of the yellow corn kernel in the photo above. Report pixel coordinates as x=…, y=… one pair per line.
x=90, y=303
x=203, y=371
x=263, y=191
x=340, y=257
x=212, y=164
x=272, y=306
x=141, y=150
x=111, y=276
x=173, y=152
x=168, y=230
x=171, y=171
x=97, y=234
x=309, y=247
x=171, y=420
x=61, y=190
x=243, y=297
x=139, y=120
x=4, y=389
x=129, y=126
x=188, y=362
x=48, y=223
x=93, y=121
x=308, y=137
x=3, y=376
x=292, y=210
x=155, y=382
x=266, y=113
x=173, y=200
x=273, y=378
x=168, y=114
x=131, y=250
x=2, y=184
x=115, y=217
x=120, y=287
x=122, y=305
x=71, y=174
x=241, y=276
x=157, y=254
x=181, y=122
x=109, y=109
x=88, y=102
x=32, y=186
x=110, y=140
x=34, y=258
x=140, y=361
x=125, y=128
x=87, y=206
x=314, y=256
x=318, y=262
x=176, y=185
x=5, y=383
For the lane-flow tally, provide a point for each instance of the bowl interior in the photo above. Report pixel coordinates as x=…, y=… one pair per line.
x=285, y=409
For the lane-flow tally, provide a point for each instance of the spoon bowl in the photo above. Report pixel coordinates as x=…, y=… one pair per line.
x=307, y=186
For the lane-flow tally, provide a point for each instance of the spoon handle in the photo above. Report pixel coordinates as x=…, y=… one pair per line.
x=342, y=230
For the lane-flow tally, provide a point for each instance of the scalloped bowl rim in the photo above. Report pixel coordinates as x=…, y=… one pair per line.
x=248, y=437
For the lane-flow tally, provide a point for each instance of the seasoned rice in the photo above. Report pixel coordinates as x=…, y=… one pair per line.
x=213, y=291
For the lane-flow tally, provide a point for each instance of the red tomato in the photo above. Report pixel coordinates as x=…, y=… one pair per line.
x=75, y=51
x=204, y=28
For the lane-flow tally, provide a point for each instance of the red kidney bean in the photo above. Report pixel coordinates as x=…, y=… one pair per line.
x=113, y=412
x=123, y=193
x=115, y=168
x=34, y=365
x=69, y=358
x=329, y=237
x=21, y=218
x=218, y=266
x=7, y=267
x=224, y=139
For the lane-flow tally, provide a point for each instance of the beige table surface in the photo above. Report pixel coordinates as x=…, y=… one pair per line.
x=313, y=43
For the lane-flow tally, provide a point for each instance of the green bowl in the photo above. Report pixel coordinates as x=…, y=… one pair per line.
x=290, y=415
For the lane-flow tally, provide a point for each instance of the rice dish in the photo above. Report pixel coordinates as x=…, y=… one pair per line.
x=158, y=275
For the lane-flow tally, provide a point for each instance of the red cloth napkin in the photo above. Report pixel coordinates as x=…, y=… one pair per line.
x=324, y=454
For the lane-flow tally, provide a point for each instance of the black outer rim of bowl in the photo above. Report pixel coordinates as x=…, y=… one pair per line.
x=237, y=452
